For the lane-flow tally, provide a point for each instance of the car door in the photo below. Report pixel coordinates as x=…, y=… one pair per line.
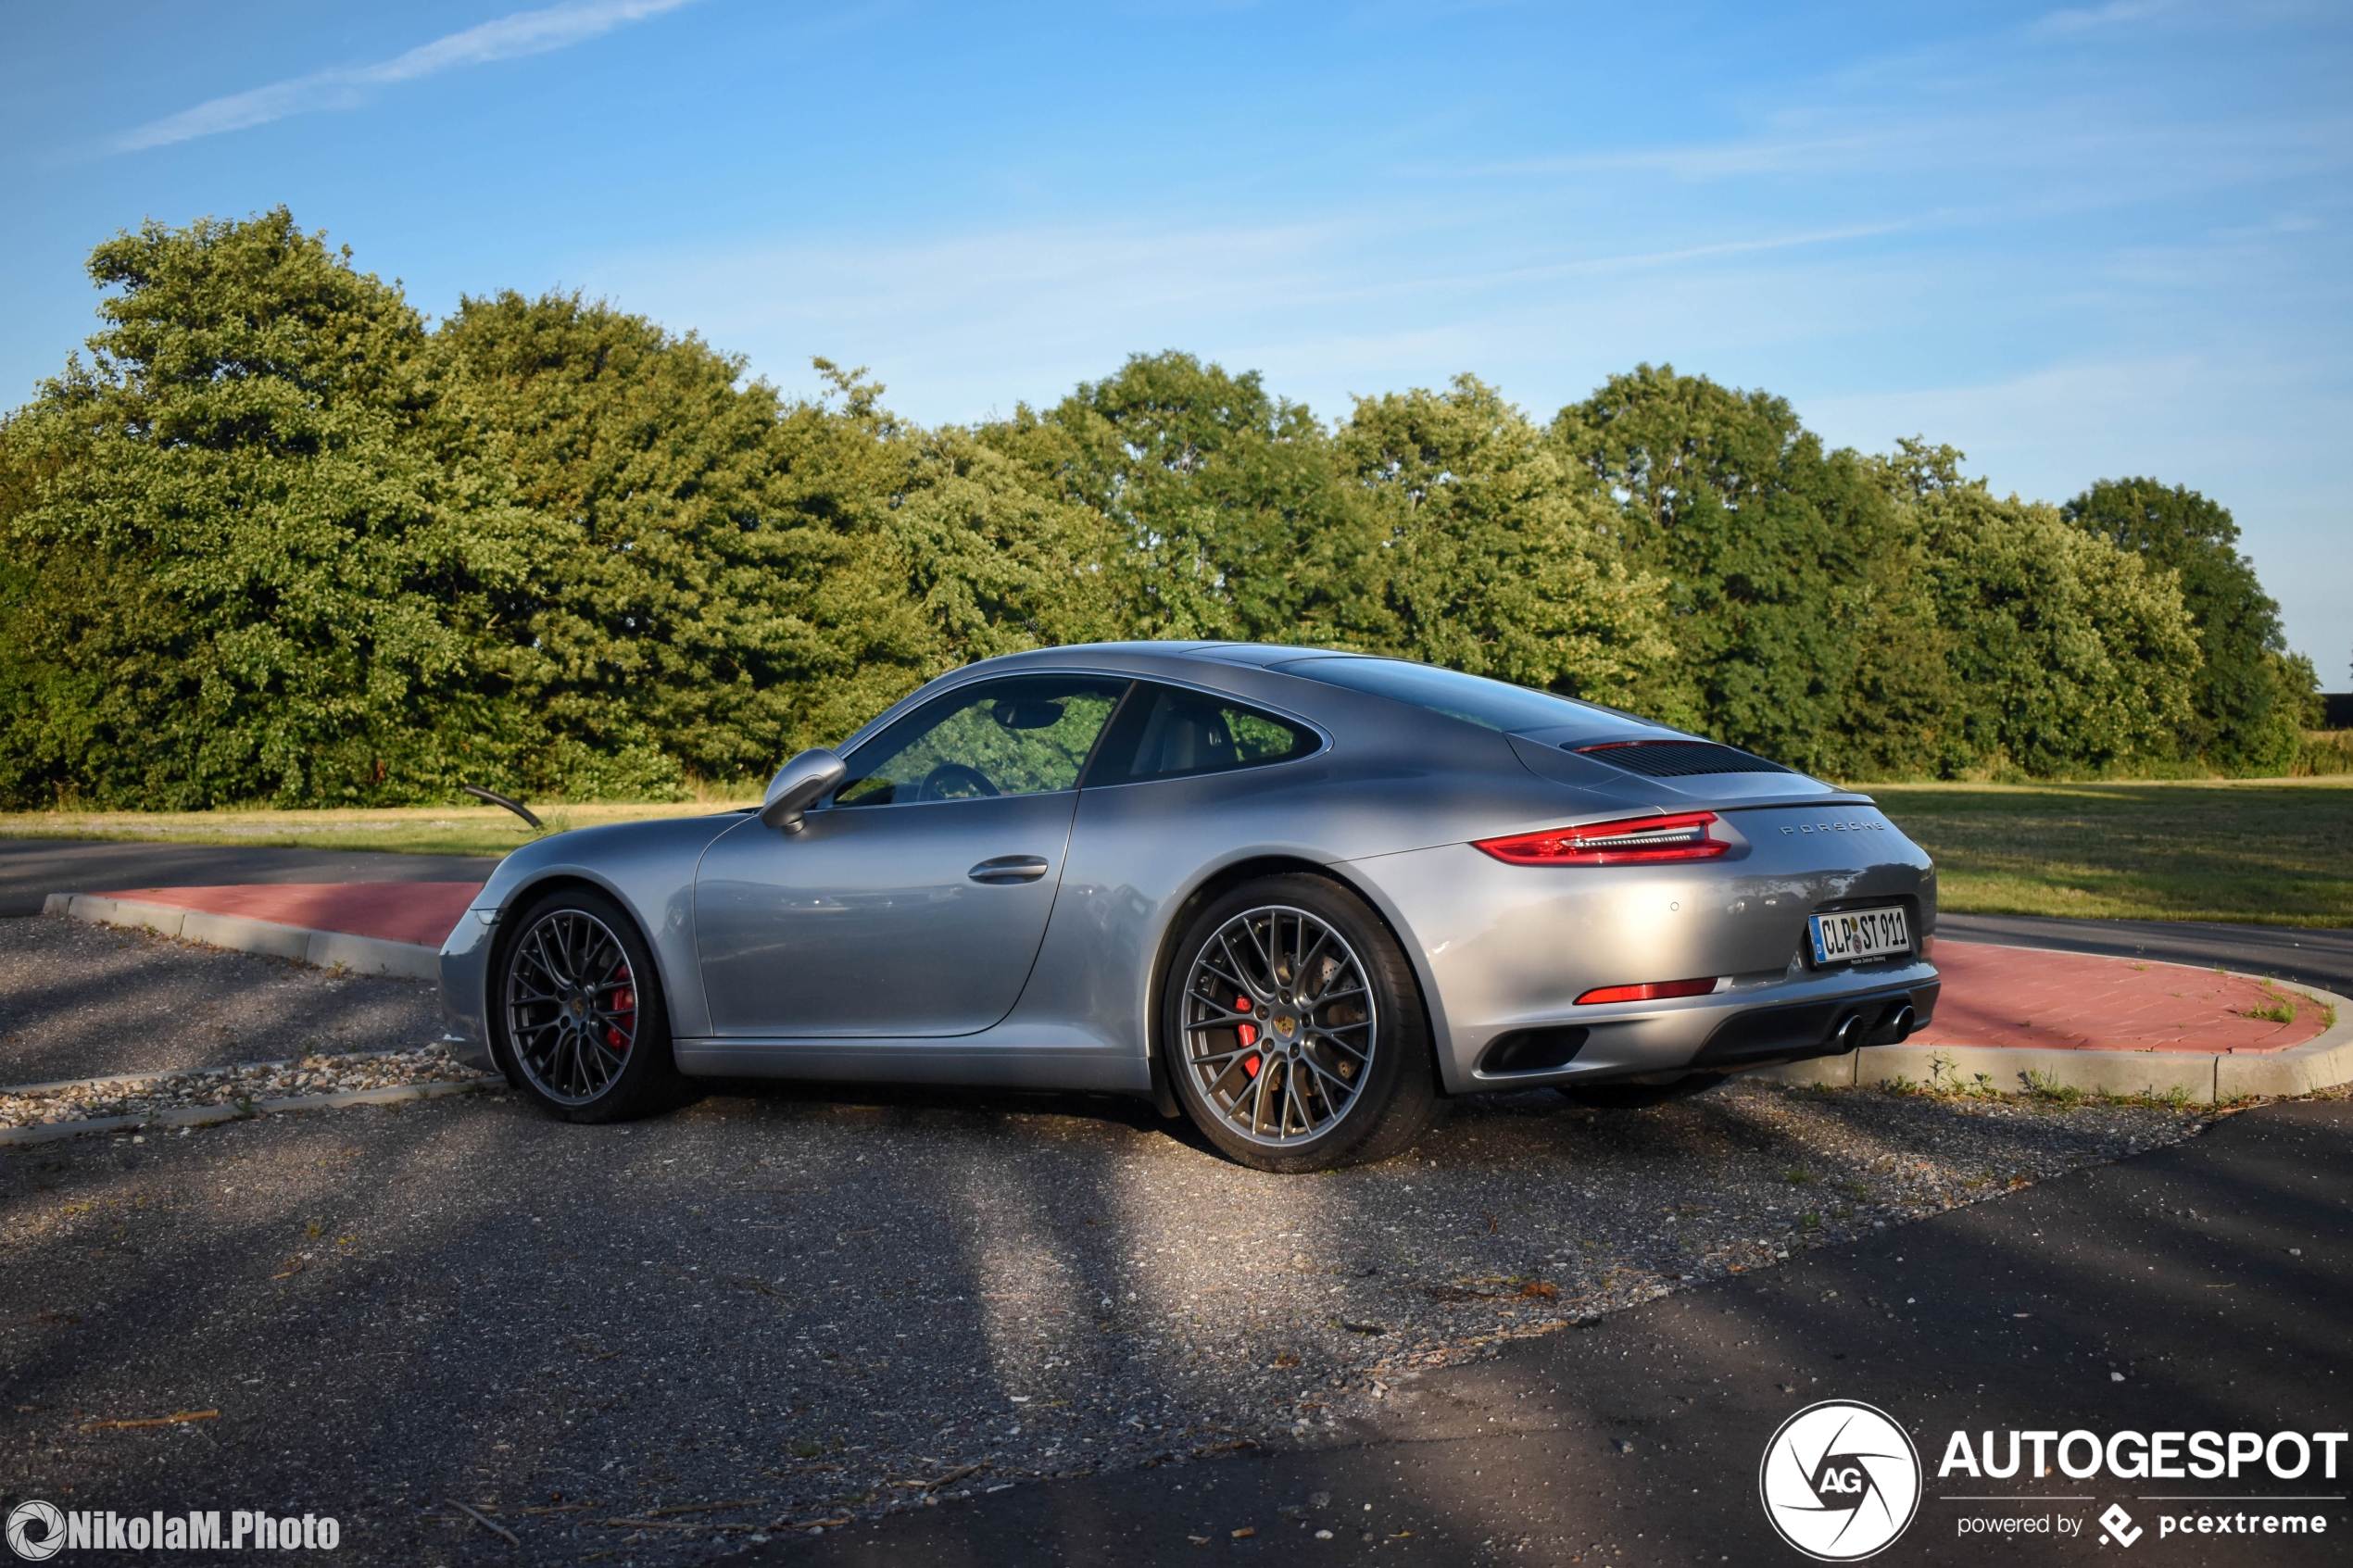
x=914, y=900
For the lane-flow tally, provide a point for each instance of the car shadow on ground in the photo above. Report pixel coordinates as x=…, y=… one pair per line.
x=829, y=1299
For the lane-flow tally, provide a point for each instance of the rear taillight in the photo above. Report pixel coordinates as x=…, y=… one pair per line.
x=1626, y=842
x=1652, y=992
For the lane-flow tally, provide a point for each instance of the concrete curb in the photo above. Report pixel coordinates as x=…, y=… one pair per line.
x=323, y=949
x=213, y=1115
x=2207, y=1078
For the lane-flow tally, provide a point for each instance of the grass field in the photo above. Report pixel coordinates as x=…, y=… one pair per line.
x=2261, y=851
x=423, y=829
x=2271, y=851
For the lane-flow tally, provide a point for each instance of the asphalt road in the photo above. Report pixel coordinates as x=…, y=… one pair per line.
x=802, y=1304
x=79, y=1000
x=2204, y=1286
x=31, y=869
x=2317, y=956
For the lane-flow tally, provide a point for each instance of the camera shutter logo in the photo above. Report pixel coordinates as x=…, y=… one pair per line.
x=36, y=1530
x=1841, y=1480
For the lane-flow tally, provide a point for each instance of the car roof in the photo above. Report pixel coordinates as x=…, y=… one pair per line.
x=1174, y=651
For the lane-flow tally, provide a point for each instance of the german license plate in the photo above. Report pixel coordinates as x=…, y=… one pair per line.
x=1856, y=934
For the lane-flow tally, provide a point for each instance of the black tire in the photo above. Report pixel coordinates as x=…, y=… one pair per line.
x=1291, y=1078
x=1639, y=1097
x=574, y=980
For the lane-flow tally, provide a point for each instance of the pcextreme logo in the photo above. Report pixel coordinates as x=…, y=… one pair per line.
x=1840, y=1481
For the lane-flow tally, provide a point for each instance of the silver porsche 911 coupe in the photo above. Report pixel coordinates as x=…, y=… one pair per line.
x=1298, y=896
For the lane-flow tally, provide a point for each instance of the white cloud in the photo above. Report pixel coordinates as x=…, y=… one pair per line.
x=2115, y=13
x=1324, y=304
x=526, y=32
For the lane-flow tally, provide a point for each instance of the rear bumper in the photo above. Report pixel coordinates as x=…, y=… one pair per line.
x=1730, y=1032
x=1829, y=1026
x=1504, y=951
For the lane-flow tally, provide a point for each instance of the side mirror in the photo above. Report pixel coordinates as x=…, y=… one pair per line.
x=798, y=784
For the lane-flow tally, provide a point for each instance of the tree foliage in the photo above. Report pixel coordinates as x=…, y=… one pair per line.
x=1767, y=541
x=2067, y=657
x=275, y=539
x=2248, y=695
x=1228, y=515
x=1439, y=526
x=248, y=570
x=1491, y=555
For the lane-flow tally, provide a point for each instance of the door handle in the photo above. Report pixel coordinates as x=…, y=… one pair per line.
x=1009, y=868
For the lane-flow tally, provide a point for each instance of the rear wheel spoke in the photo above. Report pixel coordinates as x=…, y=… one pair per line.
x=1274, y=1090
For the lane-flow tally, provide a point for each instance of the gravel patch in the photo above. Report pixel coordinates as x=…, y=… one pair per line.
x=242, y=1084
x=79, y=1000
x=782, y=1306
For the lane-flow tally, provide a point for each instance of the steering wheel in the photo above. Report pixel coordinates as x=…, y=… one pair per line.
x=937, y=784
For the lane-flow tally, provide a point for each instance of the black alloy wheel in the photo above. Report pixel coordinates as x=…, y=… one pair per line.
x=581, y=1024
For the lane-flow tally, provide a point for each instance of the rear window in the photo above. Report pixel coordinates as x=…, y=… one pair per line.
x=1169, y=732
x=1492, y=705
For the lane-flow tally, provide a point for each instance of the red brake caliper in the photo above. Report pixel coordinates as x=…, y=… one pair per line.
x=624, y=1009
x=1248, y=1034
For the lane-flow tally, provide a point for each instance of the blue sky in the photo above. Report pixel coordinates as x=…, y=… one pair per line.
x=2074, y=241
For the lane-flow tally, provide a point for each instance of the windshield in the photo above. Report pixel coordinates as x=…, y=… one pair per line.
x=1492, y=705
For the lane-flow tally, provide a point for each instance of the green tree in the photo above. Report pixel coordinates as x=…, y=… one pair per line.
x=248, y=566
x=2248, y=694
x=1769, y=543
x=1228, y=513
x=1492, y=553
x=738, y=576
x=659, y=630
x=2074, y=657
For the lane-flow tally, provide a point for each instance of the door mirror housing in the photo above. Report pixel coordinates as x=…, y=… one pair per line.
x=798, y=784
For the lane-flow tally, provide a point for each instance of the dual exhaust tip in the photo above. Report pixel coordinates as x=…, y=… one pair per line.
x=1892, y=1026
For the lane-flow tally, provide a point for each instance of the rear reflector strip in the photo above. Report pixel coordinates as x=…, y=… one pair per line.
x=1625, y=842
x=1654, y=991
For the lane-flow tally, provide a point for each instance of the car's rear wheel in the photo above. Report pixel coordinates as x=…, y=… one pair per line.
x=1295, y=1031
x=581, y=1024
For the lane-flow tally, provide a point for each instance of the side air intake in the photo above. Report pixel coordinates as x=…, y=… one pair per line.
x=1677, y=759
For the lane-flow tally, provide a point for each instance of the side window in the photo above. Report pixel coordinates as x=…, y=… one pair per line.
x=1167, y=733
x=1024, y=735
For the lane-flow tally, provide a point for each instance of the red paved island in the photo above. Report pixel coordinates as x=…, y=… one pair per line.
x=2031, y=999
x=418, y=913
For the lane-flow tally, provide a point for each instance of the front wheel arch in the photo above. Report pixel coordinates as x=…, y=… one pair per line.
x=650, y=1081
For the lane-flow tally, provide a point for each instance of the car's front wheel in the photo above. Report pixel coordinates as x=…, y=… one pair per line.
x=578, y=1011
x=1294, y=1030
